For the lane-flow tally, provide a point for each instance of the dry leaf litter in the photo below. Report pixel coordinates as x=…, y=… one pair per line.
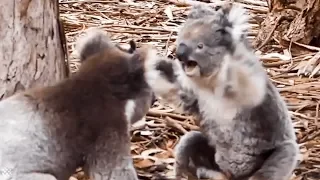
x=157, y=23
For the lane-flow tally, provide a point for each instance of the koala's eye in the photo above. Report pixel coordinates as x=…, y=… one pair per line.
x=222, y=31
x=217, y=8
x=200, y=46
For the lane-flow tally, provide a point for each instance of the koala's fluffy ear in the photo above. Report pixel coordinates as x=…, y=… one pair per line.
x=237, y=19
x=131, y=49
x=199, y=11
x=94, y=41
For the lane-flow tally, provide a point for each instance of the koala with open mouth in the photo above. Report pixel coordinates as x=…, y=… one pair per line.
x=246, y=132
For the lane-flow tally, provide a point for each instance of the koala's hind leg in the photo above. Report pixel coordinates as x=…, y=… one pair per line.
x=280, y=164
x=126, y=172
x=30, y=176
x=110, y=158
x=195, y=158
x=118, y=168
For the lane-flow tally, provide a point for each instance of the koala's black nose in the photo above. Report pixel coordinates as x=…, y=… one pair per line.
x=183, y=52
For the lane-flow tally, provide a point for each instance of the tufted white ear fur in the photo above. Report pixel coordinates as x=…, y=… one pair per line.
x=239, y=19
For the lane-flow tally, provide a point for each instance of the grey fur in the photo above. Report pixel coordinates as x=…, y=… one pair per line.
x=241, y=113
x=193, y=157
x=206, y=22
x=201, y=11
x=46, y=133
x=93, y=42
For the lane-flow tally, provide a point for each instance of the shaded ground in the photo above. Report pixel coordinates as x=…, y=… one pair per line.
x=157, y=22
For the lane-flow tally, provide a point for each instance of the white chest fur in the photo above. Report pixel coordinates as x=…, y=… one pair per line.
x=215, y=108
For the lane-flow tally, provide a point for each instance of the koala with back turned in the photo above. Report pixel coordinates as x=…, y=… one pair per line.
x=246, y=132
x=46, y=133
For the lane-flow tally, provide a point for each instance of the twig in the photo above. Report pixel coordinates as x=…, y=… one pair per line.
x=271, y=32
x=317, y=116
x=162, y=114
x=88, y=1
x=138, y=27
x=172, y=123
x=167, y=44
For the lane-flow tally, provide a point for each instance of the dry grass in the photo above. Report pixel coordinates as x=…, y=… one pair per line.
x=157, y=22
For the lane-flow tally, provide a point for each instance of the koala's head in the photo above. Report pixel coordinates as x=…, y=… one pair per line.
x=102, y=57
x=207, y=36
x=97, y=45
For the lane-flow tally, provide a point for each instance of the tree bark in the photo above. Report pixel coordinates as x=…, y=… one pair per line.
x=32, y=48
x=291, y=20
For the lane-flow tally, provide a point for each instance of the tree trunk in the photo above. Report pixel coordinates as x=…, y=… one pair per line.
x=32, y=48
x=291, y=20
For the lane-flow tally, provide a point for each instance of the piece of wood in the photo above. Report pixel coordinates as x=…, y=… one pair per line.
x=293, y=20
x=32, y=48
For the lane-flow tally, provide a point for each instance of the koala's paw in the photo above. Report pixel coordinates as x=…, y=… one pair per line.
x=203, y=173
x=160, y=73
x=227, y=80
x=244, y=59
x=242, y=78
x=256, y=177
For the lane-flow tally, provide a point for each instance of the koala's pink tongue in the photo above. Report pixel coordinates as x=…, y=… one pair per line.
x=192, y=68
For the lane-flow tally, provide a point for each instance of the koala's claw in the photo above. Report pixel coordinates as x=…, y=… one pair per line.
x=211, y=174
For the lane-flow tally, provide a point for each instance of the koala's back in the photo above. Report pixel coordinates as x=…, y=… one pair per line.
x=52, y=130
x=26, y=143
x=81, y=121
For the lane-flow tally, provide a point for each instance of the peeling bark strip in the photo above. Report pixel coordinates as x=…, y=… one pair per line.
x=299, y=22
x=31, y=51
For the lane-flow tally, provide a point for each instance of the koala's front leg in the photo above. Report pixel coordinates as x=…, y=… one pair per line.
x=31, y=176
x=280, y=164
x=160, y=73
x=167, y=80
x=242, y=78
x=195, y=158
x=110, y=159
x=109, y=168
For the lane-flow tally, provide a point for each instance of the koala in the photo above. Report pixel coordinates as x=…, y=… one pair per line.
x=246, y=132
x=47, y=132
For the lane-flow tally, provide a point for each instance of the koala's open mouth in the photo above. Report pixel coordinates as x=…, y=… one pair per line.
x=191, y=68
